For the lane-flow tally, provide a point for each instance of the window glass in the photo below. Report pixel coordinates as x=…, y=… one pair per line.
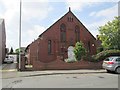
x=89, y=48
x=77, y=33
x=118, y=59
x=108, y=59
x=70, y=19
x=49, y=47
x=63, y=33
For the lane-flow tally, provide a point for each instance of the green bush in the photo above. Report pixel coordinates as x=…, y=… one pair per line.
x=88, y=58
x=100, y=49
x=79, y=50
x=102, y=55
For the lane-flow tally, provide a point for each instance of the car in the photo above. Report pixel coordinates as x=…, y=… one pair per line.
x=112, y=64
x=8, y=59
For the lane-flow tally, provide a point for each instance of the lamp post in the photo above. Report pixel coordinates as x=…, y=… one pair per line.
x=20, y=38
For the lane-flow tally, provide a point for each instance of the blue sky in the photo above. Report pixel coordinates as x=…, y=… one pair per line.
x=38, y=15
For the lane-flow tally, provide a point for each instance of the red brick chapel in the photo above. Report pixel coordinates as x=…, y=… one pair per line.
x=54, y=42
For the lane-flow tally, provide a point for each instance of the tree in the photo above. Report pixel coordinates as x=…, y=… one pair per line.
x=110, y=34
x=79, y=50
x=17, y=51
x=100, y=49
x=11, y=51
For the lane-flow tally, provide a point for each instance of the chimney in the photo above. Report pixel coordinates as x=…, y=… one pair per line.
x=97, y=37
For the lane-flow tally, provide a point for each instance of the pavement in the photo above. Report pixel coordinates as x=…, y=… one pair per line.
x=10, y=71
x=8, y=67
x=15, y=73
x=0, y=66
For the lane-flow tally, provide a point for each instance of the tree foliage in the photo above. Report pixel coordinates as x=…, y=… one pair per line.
x=110, y=34
x=17, y=51
x=104, y=54
x=79, y=50
x=100, y=49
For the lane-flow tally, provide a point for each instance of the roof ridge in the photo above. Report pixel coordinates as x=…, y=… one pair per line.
x=62, y=17
x=54, y=23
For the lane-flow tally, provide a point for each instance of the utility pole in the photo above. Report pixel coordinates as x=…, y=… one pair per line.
x=20, y=38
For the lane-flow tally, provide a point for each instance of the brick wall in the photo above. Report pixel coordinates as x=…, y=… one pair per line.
x=61, y=65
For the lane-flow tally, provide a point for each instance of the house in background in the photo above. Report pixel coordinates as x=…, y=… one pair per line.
x=2, y=41
x=55, y=41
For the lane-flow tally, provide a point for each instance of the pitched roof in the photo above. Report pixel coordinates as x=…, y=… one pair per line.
x=64, y=16
x=27, y=47
x=53, y=24
x=84, y=26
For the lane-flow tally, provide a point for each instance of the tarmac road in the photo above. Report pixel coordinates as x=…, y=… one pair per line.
x=82, y=80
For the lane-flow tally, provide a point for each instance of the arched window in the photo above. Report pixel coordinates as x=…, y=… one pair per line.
x=49, y=46
x=77, y=33
x=63, y=33
x=70, y=19
x=89, y=49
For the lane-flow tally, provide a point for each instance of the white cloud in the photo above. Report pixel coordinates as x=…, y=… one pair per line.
x=36, y=31
x=90, y=0
x=104, y=16
x=39, y=10
x=109, y=12
x=32, y=34
x=10, y=13
x=93, y=27
x=31, y=10
x=79, y=5
x=11, y=9
x=92, y=13
x=76, y=4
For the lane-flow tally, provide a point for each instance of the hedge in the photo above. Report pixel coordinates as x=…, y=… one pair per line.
x=102, y=55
